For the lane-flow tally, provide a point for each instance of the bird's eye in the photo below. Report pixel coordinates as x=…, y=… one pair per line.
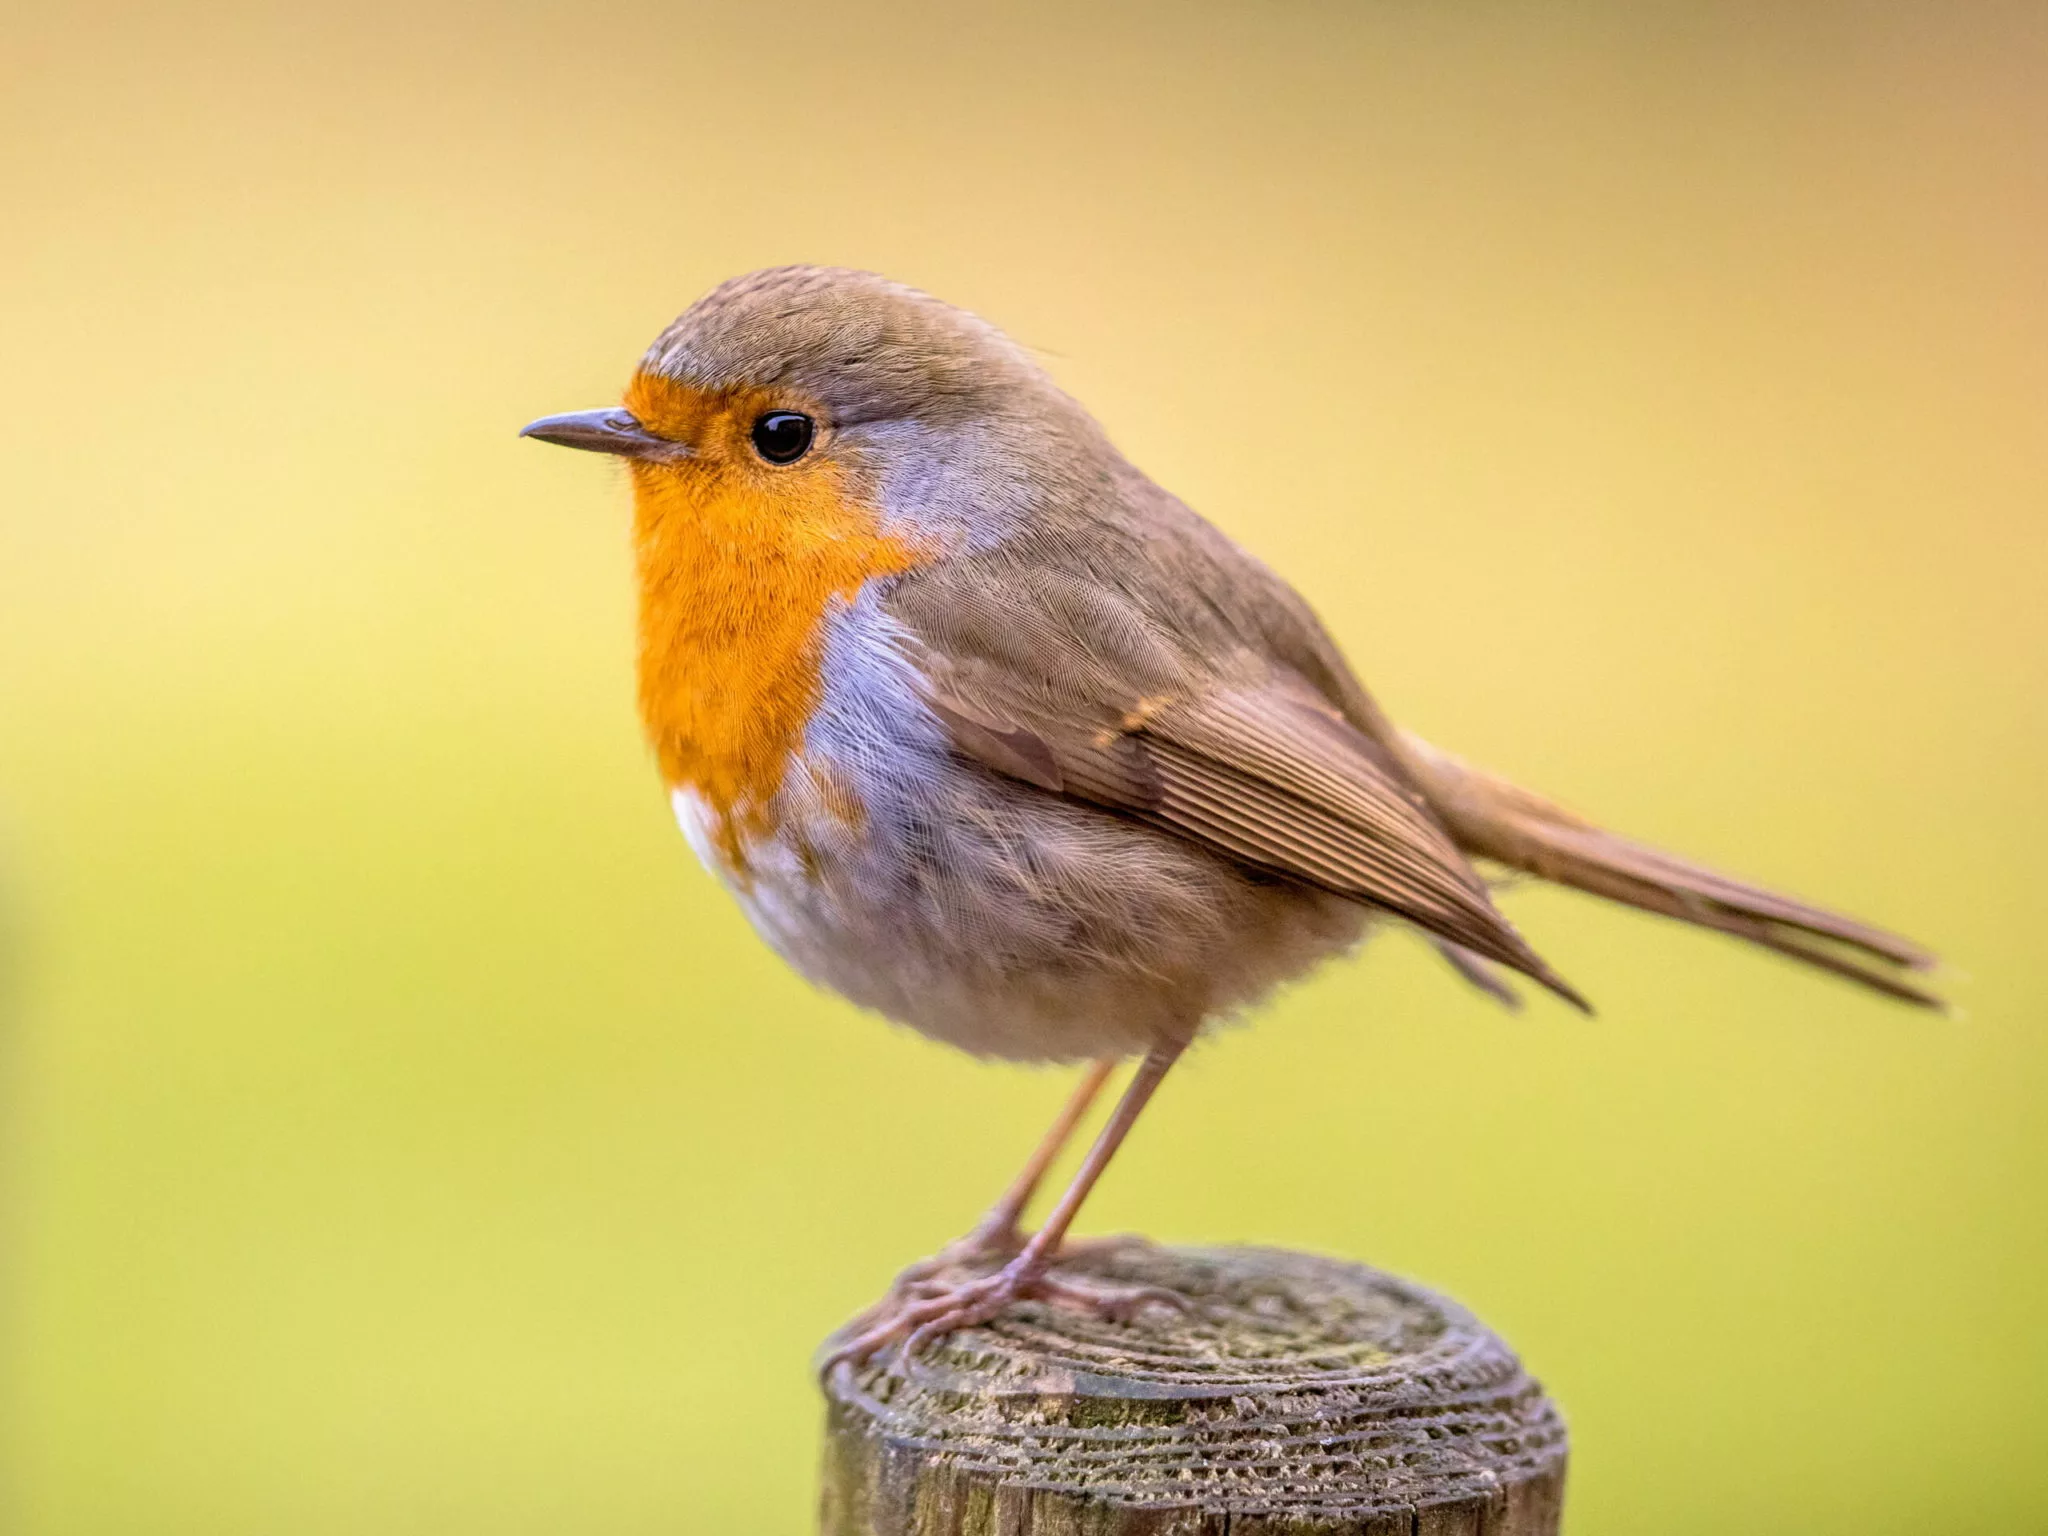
x=782, y=437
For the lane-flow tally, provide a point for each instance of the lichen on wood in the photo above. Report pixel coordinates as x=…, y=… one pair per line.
x=1298, y=1395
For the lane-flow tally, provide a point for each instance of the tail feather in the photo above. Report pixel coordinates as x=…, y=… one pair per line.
x=1498, y=820
x=1481, y=973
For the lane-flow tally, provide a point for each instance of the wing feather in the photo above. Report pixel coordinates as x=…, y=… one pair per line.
x=1263, y=776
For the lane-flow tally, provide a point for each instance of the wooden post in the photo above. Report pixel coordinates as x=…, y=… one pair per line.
x=1301, y=1396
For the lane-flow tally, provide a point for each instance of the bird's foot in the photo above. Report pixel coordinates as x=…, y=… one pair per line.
x=941, y=1301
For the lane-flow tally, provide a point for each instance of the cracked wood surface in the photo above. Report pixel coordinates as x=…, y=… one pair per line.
x=1301, y=1395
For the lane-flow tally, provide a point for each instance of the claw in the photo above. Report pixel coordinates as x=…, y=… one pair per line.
x=914, y=1346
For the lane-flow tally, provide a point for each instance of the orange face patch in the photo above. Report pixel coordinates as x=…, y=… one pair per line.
x=739, y=560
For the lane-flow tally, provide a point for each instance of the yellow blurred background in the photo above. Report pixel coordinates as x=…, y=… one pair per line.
x=403, y=1135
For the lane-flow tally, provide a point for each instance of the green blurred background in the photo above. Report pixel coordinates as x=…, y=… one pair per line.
x=403, y=1135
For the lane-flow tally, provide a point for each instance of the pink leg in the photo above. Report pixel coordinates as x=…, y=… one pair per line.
x=941, y=1309
x=998, y=1232
x=1007, y=1214
x=1144, y=1083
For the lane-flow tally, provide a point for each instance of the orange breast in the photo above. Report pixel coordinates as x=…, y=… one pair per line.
x=739, y=563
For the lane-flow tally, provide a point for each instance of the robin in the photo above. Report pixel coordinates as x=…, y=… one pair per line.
x=989, y=733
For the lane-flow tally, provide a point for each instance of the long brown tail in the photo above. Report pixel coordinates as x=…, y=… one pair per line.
x=1501, y=821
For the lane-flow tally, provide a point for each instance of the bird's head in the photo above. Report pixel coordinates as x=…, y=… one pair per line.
x=796, y=436
x=799, y=389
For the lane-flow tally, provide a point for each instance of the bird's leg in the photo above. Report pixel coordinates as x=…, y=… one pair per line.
x=938, y=1309
x=999, y=1232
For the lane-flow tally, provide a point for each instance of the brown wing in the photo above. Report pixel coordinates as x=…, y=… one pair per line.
x=1257, y=766
x=1127, y=653
x=1491, y=818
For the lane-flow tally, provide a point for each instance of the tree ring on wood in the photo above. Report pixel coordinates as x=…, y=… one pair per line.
x=1299, y=1394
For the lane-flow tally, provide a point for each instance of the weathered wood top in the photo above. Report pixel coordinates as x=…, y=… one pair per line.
x=1301, y=1395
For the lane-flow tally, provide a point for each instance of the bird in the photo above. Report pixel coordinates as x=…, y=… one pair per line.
x=989, y=733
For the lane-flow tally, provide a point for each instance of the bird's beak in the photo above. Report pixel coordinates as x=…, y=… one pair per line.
x=611, y=430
